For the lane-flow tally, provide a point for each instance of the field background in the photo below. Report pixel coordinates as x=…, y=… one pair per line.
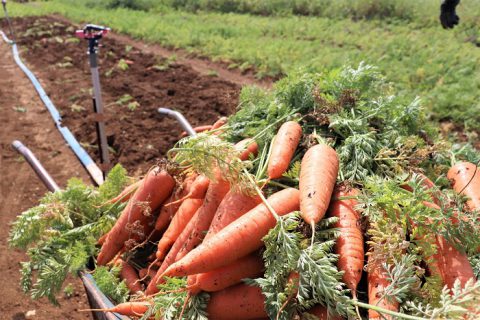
x=275, y=37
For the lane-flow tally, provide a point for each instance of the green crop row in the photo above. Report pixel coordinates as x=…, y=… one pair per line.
x=442, y=67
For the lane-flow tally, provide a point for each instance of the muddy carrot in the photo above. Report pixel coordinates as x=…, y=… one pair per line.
x=156, y=187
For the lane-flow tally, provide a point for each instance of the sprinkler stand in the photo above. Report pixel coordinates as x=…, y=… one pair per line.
x=94, y=34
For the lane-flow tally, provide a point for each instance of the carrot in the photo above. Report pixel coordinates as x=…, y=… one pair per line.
x=247, y=147
x=318, y=173
x=156, y=187
x=125, y=195
x=215, y=194
x=247, y=267
x=233, y=206
x=237, y=303
x=377, y=282
x=171, y=256
x=238, y=239
x=130, y=276
x=102, y=239
x=220, y=123
x=453, y=264
x=465, y=179
x=197, y=130
x=179, y=221
x=224, y=212
x=129, y=309
x=349, y=245
x=171, y=206
x=284, y=145
x=197, y=190
x=449, y=263
x=146, y=272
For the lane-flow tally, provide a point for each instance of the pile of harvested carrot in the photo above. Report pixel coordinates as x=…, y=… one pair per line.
x=312, y=202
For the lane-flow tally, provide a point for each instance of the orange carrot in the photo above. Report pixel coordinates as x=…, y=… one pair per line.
x=237, y=303
x=377, y=282
x=129, y=309
x=233, y=206
x=246, y=147
x=102, y=239
x=215, y=194
x=125, y=195
x=197, y=190
x=197, y=130
x=156, y=187
x=247, y=267
x=220, y=123
x=283, y=148
x=171, y=256
x=129, y=274
x=179, y=221
x=171, y=206
x=349, y=245
x=146, y=272
x=449, y=263
x=465, y=179
x=453, y=265
x=318, y=174
x=238, y=239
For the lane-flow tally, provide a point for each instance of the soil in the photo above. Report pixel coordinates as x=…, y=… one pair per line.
x=134, y=85
x=23, y=117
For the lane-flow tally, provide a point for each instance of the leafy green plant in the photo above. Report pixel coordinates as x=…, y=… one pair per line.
x=109, y=283
x=122, y=65
x=61, y=232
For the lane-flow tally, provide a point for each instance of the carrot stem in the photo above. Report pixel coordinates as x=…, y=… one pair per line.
x=382, y=310
x=260, y=194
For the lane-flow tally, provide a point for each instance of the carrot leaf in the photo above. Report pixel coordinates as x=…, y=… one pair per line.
x=454, y=304
x=60, y=234
x=109, y=283
x=169, y=306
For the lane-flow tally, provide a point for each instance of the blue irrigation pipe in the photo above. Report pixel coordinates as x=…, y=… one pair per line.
x=79, y=151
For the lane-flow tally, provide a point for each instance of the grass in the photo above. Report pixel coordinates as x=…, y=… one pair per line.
x=443, y=67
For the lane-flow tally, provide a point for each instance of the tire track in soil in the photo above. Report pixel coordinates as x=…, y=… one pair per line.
x=24, y=117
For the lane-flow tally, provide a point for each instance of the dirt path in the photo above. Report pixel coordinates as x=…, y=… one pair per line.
x=24, y=117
